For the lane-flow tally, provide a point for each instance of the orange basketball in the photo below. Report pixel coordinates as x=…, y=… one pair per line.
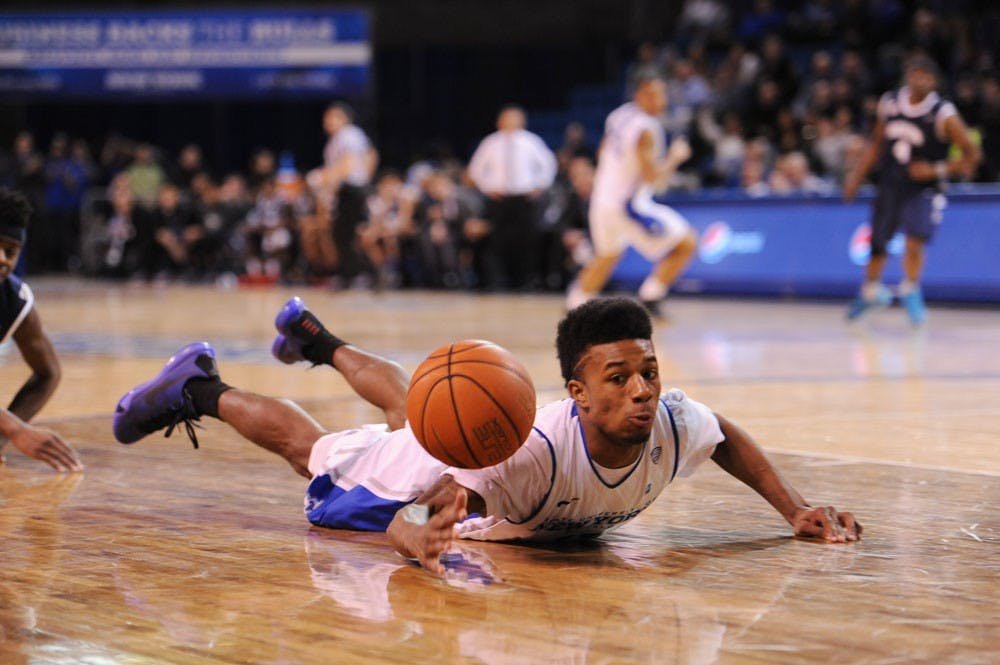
x=471, y=404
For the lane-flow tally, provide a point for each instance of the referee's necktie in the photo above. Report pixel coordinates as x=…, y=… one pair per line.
x=509, y=164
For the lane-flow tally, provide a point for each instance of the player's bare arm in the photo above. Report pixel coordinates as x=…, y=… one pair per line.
x=963, y=167
x=424, y=529
x=40, y=356
x=864, y=166
x=659, y=173
x=739, y=456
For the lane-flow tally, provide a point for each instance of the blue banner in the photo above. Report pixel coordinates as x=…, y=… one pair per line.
x=217, y=53
x=817, y=246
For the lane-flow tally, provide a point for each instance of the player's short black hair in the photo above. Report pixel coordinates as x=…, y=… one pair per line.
x=15, y=212
x=923, y=62
x=599, y=321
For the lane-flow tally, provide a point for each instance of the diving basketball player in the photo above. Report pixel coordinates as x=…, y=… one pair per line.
x=593, y=462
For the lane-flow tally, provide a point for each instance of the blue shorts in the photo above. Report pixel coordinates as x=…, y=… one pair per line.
x=916, y=213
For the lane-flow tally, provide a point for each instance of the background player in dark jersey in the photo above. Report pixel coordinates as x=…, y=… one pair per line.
x=18, y=319
x=911, y=139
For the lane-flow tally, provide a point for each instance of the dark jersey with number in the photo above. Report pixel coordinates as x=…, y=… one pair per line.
x=16, y=301
x=913, y=132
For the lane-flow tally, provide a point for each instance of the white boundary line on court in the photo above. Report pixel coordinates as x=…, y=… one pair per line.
x=852, y=459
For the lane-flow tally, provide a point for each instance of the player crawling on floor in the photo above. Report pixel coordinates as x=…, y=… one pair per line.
x=20, y=320
x=593, y=461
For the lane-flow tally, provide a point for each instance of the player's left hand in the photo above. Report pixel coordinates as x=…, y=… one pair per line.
x=826, y=523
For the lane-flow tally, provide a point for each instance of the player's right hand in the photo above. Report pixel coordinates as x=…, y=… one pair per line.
x=427, y=540
x=46, y=446
x=826, y=523
x=679, y=151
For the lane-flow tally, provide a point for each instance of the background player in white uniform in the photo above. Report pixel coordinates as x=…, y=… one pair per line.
x=20, y=320
x=632, y=166
x=593, y=461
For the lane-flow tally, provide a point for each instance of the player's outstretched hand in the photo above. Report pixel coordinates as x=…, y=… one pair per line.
x=417, y=536
x=826, y=523
x=47, y=446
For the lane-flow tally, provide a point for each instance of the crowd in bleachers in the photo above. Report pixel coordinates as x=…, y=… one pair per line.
x=773, y=102
x=780, y=97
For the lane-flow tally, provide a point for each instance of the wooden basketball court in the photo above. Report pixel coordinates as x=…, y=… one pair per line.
x=159, y=553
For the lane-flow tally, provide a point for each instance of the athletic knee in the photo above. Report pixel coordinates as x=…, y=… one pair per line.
x=687, y=245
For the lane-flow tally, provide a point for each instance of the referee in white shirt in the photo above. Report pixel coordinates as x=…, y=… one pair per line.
x=512, y=167
x=349, y=160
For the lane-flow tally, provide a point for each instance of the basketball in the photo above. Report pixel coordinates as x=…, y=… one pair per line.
x=471, y=404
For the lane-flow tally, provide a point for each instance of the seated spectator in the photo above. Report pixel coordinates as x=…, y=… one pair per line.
x=223, y=209
x=316, y=230
x=263, y=167
x=792, y=175
x=438, y=219
x=754, y=171
x=728, y=146
x=145, y=175
x=177, y=236
x=390, y=215
x=56, y=239
x=688, y=92
x=119, y=243
x=269, y=228
x=833, y=138
x=190, y=163
x=572, y=226
x=574, y=145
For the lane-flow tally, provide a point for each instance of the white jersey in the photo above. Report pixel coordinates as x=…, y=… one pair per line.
x=349, y=140
x=618, y=175
x=551, y=488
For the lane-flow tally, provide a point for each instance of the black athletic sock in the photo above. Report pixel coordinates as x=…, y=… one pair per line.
x=205, y=394
x=322, y=343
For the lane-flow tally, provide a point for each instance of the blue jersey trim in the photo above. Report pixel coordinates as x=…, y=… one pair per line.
x=552, y=481
x=593, y=467
x=677, y=439
x=358, y=508
x=648, y=222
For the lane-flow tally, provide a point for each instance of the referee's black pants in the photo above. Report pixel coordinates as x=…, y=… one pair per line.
x=514, y=221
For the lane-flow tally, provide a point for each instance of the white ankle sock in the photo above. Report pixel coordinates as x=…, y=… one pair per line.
x=652, y=289
x=870, y=290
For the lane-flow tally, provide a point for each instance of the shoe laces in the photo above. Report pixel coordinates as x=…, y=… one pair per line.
x=184, y=416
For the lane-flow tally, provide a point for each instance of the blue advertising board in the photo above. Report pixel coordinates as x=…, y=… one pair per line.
x=817, y=246
x=247, y=53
